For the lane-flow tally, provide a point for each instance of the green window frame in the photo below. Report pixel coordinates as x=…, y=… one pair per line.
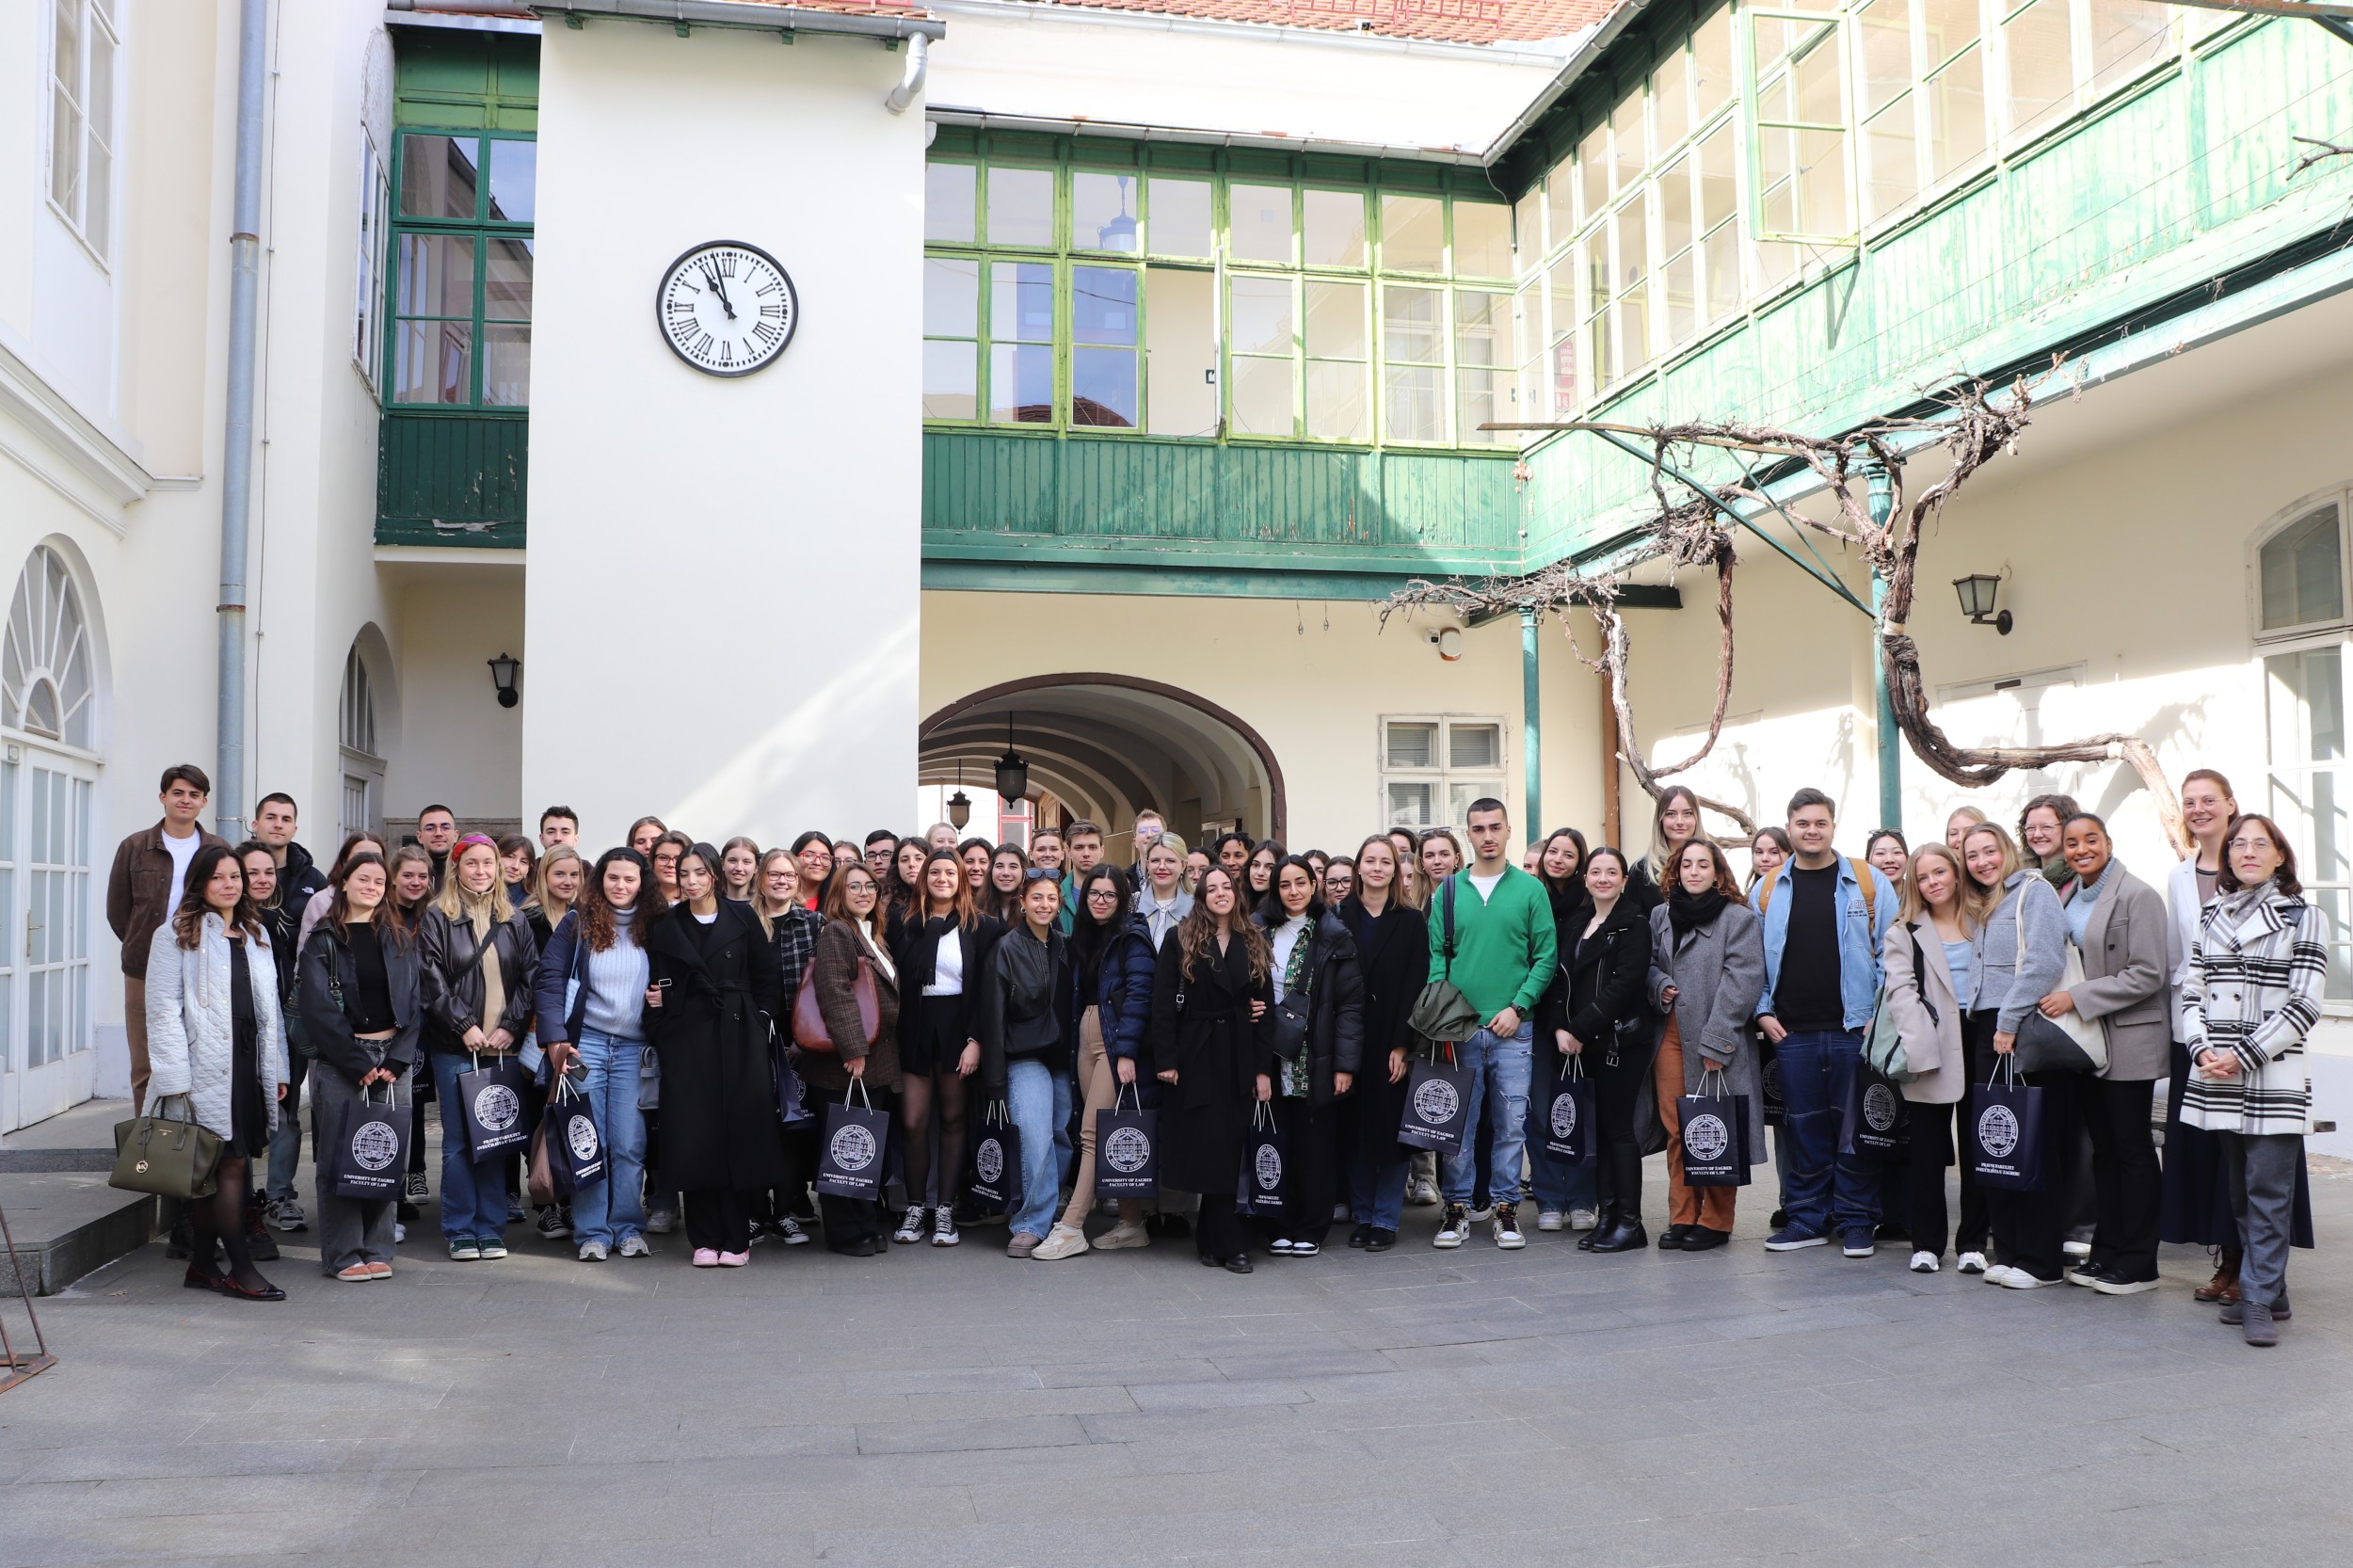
x=459, y=282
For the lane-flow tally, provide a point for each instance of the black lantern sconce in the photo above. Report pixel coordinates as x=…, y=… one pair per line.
x=959, y=804
x=1012, y=770
x=1977, y=592
x=502, y=672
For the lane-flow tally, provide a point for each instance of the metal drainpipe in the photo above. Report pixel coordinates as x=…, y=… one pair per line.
x=1532, y=723
x=918, y=67
x=1882, y=502
x=236, y=469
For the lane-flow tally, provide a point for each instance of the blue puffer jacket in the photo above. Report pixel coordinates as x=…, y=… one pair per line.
x=1123, y=988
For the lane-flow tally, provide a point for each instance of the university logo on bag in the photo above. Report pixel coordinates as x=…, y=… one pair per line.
x=497, y=1107
x=1563, y=1115
x=1127, y=1150
x=988, y=1160
x=374, y=1145
x=1437, y=1102
x=1706, y=1137
x=1997, y=1130
x=1879, y=1107
x=852, y=1147
x=582, y=1136
x=1269, y=1169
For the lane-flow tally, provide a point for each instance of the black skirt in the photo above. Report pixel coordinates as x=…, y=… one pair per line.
x=932, y=1042
x=249, y=1113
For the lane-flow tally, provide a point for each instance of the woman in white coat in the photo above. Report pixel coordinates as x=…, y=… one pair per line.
x=1926, y=959
x=217, y=1043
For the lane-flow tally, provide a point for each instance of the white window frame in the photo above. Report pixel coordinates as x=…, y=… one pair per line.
x=375, y=207
x=1442, y=776
x=93, y=19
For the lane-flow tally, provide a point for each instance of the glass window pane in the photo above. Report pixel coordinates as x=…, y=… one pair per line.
x=1103, y=387
x=949, y=201
x=1260, y=315
x=1412, y=233
x=1629, y=141
x=1337, y=403
x=2041, y=69
x=1336, y=320
x=1629, y=227
x=1721, y=257
x=1020, y=206
x=1021, y=302
x=1674, y=208
x=1474, y=745
x=1561, y=293
x=1482, y=397
x=2302, y=570
x=1103, y=305
x=1411, y=326
x=433, y=361
x=506, y=365
x=1483, y=239
x=436, y=276
x=1670, y=100
x=2127, y=38
x=1956, y=103
x=507, y=287
x=1561, y=204
x=1813, y=83
x=1883, y=67
x=951, y=381
x=1528, y=229
x=513, y=181
x=1682, y=305
x=1952, y=26
x=1711, y=63
x=1181, y=225
x=1413, y=745
x=2307, y=706
x=1021, y=383
x=1258, y=222
x=438, y=175
x=1718, y=193
x=1481, y=322
x=1459, y=795
x=1409, y=805
x=1415, y=410
x=1335, y=227
x=1593, y=172
x=1181, y=351
x=1262, y=397
x=1822, y=183
x=1103, y=212
x=952, y=295
x=1890, y=161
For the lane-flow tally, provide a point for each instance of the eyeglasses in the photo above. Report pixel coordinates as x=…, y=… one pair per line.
x=2251, y=843
x=1107, y=895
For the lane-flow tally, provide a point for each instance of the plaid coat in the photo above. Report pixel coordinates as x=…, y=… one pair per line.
x=2253, y=988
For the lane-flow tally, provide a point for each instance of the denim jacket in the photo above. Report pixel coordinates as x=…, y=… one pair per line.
x=1861, y=931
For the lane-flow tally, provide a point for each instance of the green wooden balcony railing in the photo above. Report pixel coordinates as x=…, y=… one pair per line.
x=452, y=479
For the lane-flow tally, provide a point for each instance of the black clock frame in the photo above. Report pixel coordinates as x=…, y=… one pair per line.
x=792, y=316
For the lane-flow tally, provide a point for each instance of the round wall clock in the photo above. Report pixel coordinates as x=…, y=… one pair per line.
x=727, y=308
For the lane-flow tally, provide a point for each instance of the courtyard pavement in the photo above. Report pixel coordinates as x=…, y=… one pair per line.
x=931, y=1407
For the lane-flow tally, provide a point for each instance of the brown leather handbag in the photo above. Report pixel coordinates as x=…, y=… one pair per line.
x=808, y=1019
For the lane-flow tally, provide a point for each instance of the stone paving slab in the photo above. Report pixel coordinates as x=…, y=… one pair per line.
x=957, y=1408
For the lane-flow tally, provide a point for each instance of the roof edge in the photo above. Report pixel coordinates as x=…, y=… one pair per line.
x=749, y=14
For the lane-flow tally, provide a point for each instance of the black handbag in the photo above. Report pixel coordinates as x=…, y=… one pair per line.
x=367, y=1161
x=1437, y=1106
x=2005, y=1133
x=1715, y=1132
x=993, y=1179
x=1876, y=1119
x=1263, y=1184
x=1561, y=1120
x=494, y=1103
x=850, y=1160
x=1127, y=1147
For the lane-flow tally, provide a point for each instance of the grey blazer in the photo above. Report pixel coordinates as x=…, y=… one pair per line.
x=2125, y=971
x=1718, y=973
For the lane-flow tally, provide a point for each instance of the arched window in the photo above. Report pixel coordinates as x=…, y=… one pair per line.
x=2303, y=622
x=45, y=675
x=357, y=717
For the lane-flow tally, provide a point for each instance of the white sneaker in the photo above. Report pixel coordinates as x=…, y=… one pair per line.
x=1062, y=1241
x=1584, y=1219
x=2076, y=1249
x=594, y=1252
x=1480, y=1216
x=1422, y=1193
x=1454, y=1230
x=1549, y=1218
x=1972, y=1263
x=634, y=1246
x=788, y=1229
x=915, y=1227
x=1998, y=1274
x=1280, y=1246
x=2018, y=1279
x=400, y=1233
x=1924, y=1263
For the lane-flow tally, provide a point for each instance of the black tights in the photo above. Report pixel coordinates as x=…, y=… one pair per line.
x=221, y=1218
x=917, y=1096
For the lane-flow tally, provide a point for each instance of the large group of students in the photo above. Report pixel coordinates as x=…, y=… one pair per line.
x=711, y=1004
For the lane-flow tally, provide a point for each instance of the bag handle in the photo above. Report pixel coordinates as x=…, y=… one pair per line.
x=1920, y=973
x=1446, y=899
x=1721, y=1086
x=858, y=1083
x=1119, y=1096
x=1262, y=1115
x=1576, y=1073
x=2005, y=1068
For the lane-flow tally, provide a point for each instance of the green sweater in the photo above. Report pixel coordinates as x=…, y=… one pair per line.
x=1505, y=947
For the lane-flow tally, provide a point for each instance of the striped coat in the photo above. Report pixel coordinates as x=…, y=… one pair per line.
x=2253, y=988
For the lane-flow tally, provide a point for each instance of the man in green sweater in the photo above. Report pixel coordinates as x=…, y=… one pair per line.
x=1503, y=956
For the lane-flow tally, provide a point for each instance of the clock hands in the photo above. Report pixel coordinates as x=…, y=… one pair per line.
x=720, y=289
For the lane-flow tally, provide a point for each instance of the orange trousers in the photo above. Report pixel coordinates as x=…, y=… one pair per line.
x=1686, y=1205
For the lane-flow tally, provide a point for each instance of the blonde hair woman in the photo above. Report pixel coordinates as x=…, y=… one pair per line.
x=479, y=961
x=1929, y=966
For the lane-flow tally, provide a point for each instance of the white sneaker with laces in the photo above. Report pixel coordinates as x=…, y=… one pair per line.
x=1062, y=1241
x=1998, y=1274
x=2076, y=1249
x=1454, y=1229
x=634, y=1246
x=914, y=1227
x=1923, y=1262
x=1423, y=1193
x=594, y=1252
x=788, y=1229
x=1584, y=1219
x=1972, y=1263
x=943, y=1228
x=2018, y=1279
x=1280, y=1246
x=1549, y=1218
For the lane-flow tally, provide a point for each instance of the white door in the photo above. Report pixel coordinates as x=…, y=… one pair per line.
x=45, y=803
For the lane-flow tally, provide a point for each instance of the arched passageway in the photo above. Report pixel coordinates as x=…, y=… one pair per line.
x=1111, y=746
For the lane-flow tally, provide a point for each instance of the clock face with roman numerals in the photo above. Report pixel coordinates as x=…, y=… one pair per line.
x=727, y=308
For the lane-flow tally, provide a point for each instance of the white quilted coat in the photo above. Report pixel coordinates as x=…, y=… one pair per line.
x=191, y=1043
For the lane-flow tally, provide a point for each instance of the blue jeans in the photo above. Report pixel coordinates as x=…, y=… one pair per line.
x=1826, y=1191
x=612, y=1209
x=1376, y=1193
x=1498, y=1085
x=1031, y=1096
x=474, y=1193
x=1065, y=1152
x=285, y=1144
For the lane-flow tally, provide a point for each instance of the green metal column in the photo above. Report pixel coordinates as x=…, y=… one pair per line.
x=1532, y=723
x=1890, y=745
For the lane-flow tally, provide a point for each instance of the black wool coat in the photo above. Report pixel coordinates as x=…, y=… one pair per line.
x=721, y=987
x=1217, y=1051
x=1394, y=966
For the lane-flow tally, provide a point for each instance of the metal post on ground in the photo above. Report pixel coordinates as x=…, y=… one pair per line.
x=1532, y=723
x=1890, y=747
x=15, y=1366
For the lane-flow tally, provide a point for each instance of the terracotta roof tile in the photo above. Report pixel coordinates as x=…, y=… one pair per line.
x=1454, y=21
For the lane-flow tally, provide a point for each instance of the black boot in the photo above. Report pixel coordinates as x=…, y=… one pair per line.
x=1625, y=1232
x=1605, y=1220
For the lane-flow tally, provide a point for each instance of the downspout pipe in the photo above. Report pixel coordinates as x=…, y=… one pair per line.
x=236, y=468
x=918, y=65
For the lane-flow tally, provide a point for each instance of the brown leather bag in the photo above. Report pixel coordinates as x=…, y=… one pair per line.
x=808, y=1019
